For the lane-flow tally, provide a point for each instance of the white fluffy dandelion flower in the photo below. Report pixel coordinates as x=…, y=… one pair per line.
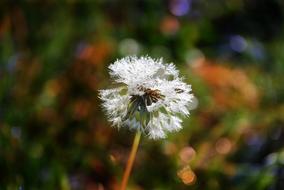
x=151, y=97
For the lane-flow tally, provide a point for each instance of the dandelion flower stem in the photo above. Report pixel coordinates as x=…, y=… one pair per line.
x=130, y=160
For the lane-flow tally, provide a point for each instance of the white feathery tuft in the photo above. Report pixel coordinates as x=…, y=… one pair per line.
x=152, y=98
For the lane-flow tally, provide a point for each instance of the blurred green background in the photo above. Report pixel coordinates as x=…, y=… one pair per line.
x=54, y=57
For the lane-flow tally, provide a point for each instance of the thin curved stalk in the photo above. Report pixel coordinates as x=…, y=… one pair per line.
x=130, y=160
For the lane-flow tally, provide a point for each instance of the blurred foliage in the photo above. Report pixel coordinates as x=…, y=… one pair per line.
x=54, y=58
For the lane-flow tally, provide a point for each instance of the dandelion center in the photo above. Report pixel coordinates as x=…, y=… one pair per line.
x=150, y=96
x=137, y=106
x=140, y=102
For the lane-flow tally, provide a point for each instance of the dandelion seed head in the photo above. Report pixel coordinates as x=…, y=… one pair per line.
x=151, y=97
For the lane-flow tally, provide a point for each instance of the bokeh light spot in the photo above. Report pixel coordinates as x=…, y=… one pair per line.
x=238, y=43
x=129, y=47
x=223, y=146
x=193, y=104
x=186, y=154
x=187, y=176
x=180, y=7
x=271, y=159
x=169, y=25
x=194, y=56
